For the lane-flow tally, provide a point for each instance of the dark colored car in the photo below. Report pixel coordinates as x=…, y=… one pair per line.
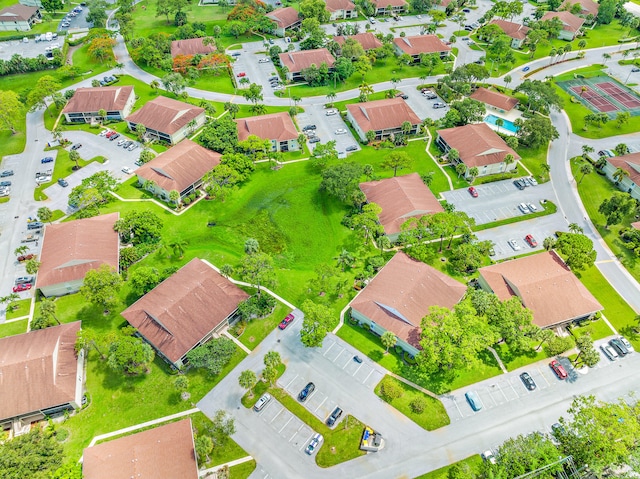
x=519, y=184
x=619, y=346
x=357, y=359
x=404, y=96
x=46, y=159
x=5, y=183
x=77, y=146
x=24, y=279
x=314, y=139
x=62, y=182
x=286, y=321
x=21, y=287
x=35, y=225
x=558, y=369
x=114, y=137
x=473, y=192
x=306, y=391
x=308, y=127
x=335, y=415
x=528, y=381
x=6, y=173
x=352, y=148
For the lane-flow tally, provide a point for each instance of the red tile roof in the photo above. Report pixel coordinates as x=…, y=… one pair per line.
x=335, y=5
x=636, y=225
x=401, y=294
x=178, y=313
x=191, y=46
x=421, y=44
x=180, y=166
x=545, y=285
x=165, y=114
x=277, y=126
x=511, y=29
x=588, y=6
x=477, y=144
x=164, y=452
x=495, y=99
x=284, y=17
x=38, y=370
x=382, y=114
x=109, y=98
x=17, y=12
x=570, y=22
x=629, y=163
x=298, y=61
x=367, y=40
x=386, y=3
x=71, y=249
x=400, y=198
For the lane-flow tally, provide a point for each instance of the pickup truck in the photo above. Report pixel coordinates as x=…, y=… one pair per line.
x=30, y=238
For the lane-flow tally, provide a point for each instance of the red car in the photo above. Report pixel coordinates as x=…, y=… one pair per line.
x=26, y=257
x=286, y=321
x=473, y=192
x=531, y=240
x=242, y=74
x=558, y=369
x=21, y=287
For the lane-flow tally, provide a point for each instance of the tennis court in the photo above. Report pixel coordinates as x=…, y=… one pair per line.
x=603, y=94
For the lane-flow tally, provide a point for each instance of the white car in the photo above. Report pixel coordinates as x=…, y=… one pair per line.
x=514, y=244
x=524, y=208
x=331, y=112
x=341, y=131
x=488, y=456
x=264, y=60
x=532, y=207
x=127, y=170
x=533, y=181
x=103, y=132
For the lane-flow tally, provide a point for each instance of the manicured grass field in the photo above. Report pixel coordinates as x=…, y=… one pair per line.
x=86, y=64
x=533, y=159
x=434, y=415
x=14, y=144
x=548, y=208
x=370, y=345
x=514, y=360
x=13, y=328
x=258, y=329
x=473, y=463
x=21, y=310
x=242, y=471
x=341, y=444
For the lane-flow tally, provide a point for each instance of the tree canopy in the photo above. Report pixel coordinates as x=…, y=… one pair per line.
x=318, y=319
x=212, y=355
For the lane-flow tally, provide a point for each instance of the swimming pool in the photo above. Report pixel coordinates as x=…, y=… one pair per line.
x=506, y=125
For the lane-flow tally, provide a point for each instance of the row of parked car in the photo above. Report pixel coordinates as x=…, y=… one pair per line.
x=522, y=183
x=123, y=142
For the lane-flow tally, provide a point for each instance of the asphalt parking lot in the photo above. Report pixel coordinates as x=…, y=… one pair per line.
x=342, y=356
x=326, y=127
x=259, y=73
x=287, y=425
x=26, y=50
x=79, y=21
x=498, y=200
x=421, y=106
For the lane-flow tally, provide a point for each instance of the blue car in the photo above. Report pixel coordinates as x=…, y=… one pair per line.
x=474, y=400
x=526, y=69
x=47, y=159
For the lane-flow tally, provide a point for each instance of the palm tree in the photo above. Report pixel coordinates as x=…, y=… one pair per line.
x=619, y=175
x=155, y=84
x=549, y=242
x=586, y=149
x=20, y=250
x=365, y=90
x=585, y=170
x=546, y=168
x=605, y=57
x=473, y=173
x=461, y=169
x=575, y=228
x=48, y=309
x=178, y=247
x=331, y=96
x=499, y=123
x=508, y=160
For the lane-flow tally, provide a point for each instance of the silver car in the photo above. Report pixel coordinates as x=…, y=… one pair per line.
x=524, y=208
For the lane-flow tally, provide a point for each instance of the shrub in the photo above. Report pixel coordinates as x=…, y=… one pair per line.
x=389, y=390
x=558, y=345
x=418, y=405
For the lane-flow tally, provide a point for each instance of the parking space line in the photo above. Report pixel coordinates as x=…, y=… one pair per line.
x=320, y=405
x=457, y=407
x=503, y=394
x=491, y=395
x=356, y=371
x=543, y=377
x=368, y=375
x=285, y=424
x=306, y=441
x=514, y=390
x=296, y=433
x=340, y=354
x=277, y=414
x=329, y=349
x=289, y=384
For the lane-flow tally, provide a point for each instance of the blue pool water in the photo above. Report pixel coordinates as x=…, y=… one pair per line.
x=507, y=125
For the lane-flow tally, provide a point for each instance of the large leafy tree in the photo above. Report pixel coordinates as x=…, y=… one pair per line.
x=578, y=250
x=35, y=455
x=540, y=95
x=616, y=207
x=464, y=112
x=513, y=323
x=212, y=355
x=139, y=226
x=396, y=160
x=314, y=9
x=257, y=269
x=101, y=286
x=341, y=180
x=220, y=135
x=367, y=221
x=45, y=87
x=537, y=131
x=523, y=454
x=130, y=355
x=452, y=339
x=587, y=353
x=318, y=319
x=11, y=110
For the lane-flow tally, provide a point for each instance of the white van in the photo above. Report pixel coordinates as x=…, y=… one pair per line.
x=48, y=36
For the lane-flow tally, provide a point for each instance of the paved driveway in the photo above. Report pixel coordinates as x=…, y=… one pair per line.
x=290, y=429
x=26, y=50
x=248, y=64
x=421, y=106
x=326, y=127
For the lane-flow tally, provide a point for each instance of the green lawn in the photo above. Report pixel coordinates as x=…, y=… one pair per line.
x=258, y=329
x=514, y=360
x=383, y=70
x=473, y=463
x=13, y=144
x=86, y=64
x=370, y=345
x=342, y=105
x=548, y=208
x=242, y=471
x=434, y=415
x=533, y=159
x=13, y=328
x=21, y=310
x=340, y=444
x=593, y=189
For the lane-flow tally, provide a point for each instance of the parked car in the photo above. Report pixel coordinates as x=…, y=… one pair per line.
x=24, y=279
x=619, y=346
x=438, y=104
x=528, y=381
x=314, y=139
x=46, y=159
x=77, y=146
x=241, y=74
x=132, y=147
x=474, y=400
x=533, y=181
x=331, y=112
x=286, y=321
x=6, y=173
x=264, y=60
x=62, y=182
x=262, y=402
x=626, y=343
x=466, y=10
x=404, y=96
x=606, y=153
x=30, y=238
x=635, y=69
x=5, y=184
x=313, y=445
x=488, y=456
x=308, y=127
x=35, y=225
x=21, y=287
x=514, y=244
x=558, y=369
x=533, y=208
x=357, y=359
x=122, y=141
x=127, y=170
x=531, y=241
x=333, y=418
x=306, y=391
x=524, y=208
x=609, y=352
x=110, y=134
x=352, y=148
x=26, y=257
x=341, y=131
x=519, y=184
x=114, y=137
x=473, y=192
